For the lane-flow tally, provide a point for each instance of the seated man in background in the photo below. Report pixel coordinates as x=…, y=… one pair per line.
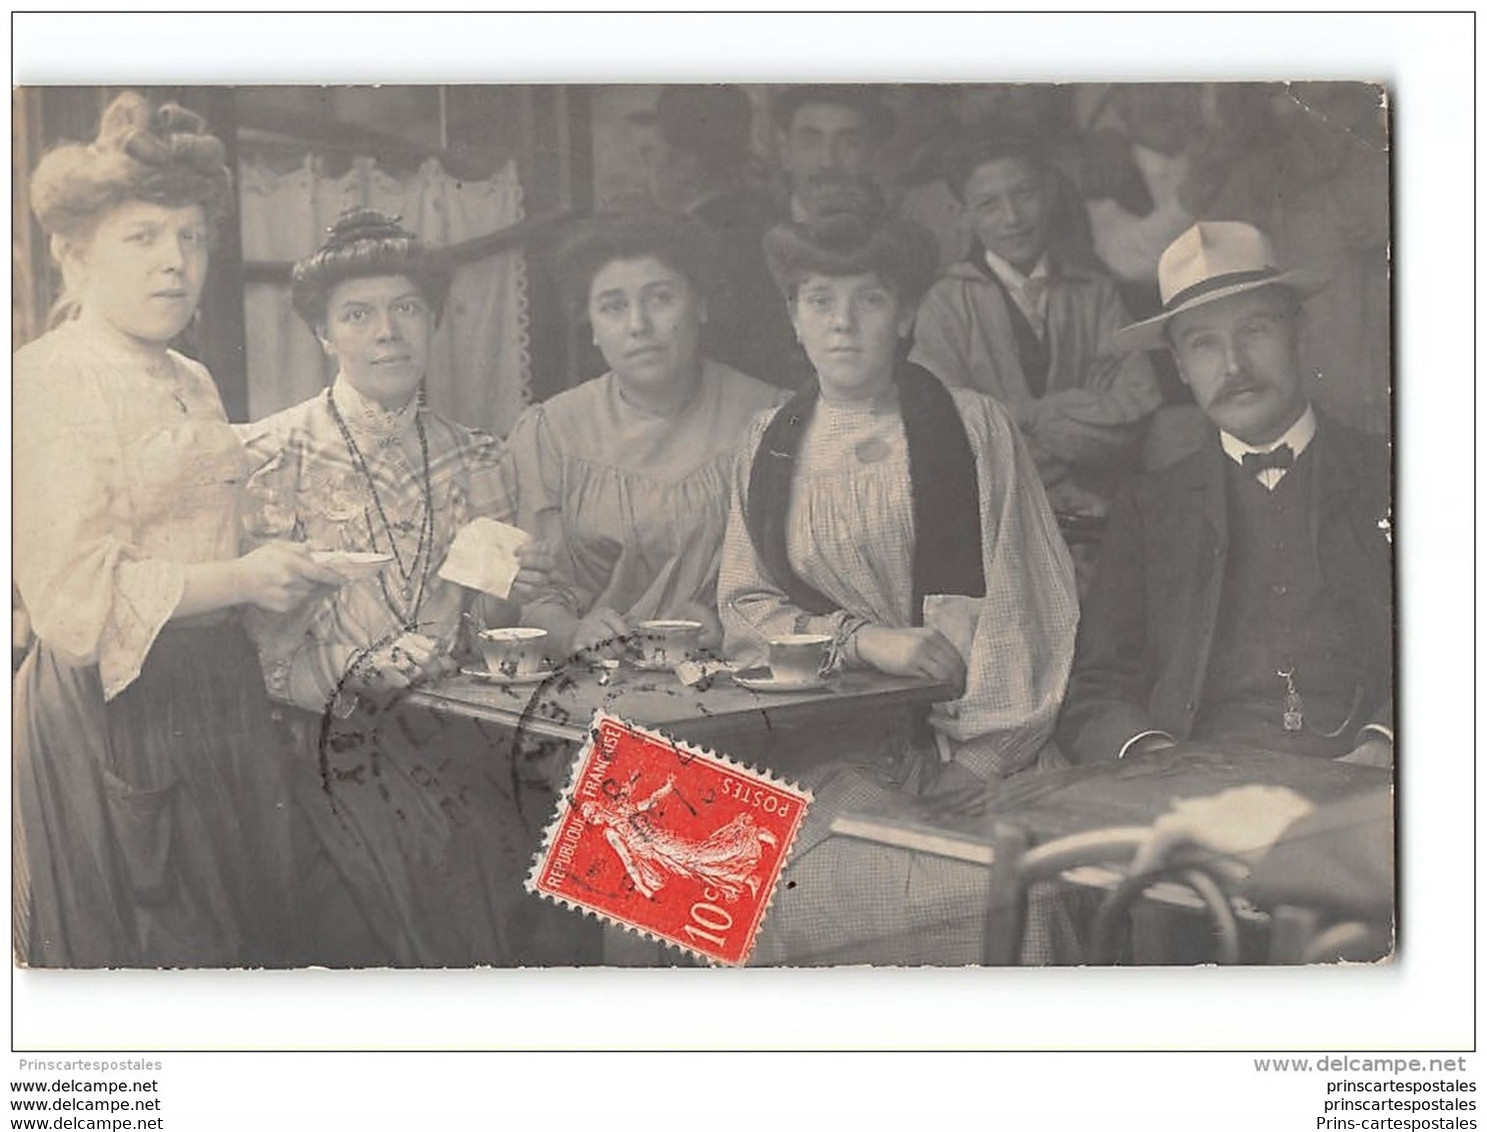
x=1245, y=594
x=824, y=135
x=1016, y=322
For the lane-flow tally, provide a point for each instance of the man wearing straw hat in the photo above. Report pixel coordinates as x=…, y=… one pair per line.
x=1243, y=595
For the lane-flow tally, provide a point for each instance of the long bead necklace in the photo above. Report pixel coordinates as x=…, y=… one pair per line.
x=425, y=549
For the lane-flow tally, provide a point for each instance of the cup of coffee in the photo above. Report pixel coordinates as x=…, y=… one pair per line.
x=799, y=657
x=516, y=651
x=665, y=644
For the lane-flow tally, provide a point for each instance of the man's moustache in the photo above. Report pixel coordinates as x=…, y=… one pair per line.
x=1235, y=386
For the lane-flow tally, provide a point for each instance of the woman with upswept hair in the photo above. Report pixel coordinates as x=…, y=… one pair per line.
x=627, y=475
x=401, y=832
x=903, y=521
x=151, y=822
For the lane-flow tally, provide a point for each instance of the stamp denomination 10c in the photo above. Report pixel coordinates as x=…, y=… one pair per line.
x=671, y=841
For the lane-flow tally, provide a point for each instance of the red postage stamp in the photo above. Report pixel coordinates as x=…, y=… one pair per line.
x=673, y=842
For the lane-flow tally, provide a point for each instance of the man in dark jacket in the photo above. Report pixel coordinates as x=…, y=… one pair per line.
x=1244, y=595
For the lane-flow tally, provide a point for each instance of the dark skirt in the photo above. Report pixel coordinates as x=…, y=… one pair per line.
x=409, y=854
x=151, y=830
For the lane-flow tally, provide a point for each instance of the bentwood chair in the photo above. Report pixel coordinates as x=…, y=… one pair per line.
x=1297, y=935
x=1302, y=935
x=1016, y=867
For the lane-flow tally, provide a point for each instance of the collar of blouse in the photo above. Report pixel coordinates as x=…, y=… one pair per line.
x=371, y=419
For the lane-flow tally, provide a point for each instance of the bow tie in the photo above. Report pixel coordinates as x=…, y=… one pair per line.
x=1280, y=457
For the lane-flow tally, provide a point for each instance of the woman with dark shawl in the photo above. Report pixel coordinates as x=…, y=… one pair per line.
x=906, y=521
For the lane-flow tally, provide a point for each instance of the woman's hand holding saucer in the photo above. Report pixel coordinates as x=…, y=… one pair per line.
x=280, y=575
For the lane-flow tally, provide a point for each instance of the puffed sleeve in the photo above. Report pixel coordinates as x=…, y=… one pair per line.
x=1023, y=643
x=91, y=594
x=270, y=499
x=532, y=467
x=271, y=511
x=751, y=605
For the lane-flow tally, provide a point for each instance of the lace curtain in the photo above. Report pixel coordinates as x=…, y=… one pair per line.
x=480, y=372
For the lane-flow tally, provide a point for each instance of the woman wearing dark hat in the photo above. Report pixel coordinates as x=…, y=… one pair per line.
x=394, y=876
x=628, y=473
x=149, y=799
x=905, y=522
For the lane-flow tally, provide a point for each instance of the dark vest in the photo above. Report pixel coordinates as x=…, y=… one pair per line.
x=943, y=482
x=1033, y=353
x=1277, y=615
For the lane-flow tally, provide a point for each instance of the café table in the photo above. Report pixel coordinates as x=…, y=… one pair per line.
x=527, y=736
x=782, y=731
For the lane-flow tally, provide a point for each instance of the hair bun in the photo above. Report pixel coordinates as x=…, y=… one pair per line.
x=851, y=232
x=160, y=136
x=363, y=243
x=357, y=224
x=161, y=155
x=125, y=116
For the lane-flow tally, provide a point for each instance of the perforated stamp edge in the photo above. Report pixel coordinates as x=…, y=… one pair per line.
x=681, y=746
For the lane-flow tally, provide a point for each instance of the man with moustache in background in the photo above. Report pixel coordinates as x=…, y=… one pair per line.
x=1244, y=595
x=826, y=135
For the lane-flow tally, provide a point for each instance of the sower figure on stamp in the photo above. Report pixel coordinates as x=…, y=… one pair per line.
x=728, y=858
x=1244, y=595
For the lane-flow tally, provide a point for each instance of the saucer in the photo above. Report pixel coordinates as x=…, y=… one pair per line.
x=761, y=679
x=486, y=676
x=352, y=564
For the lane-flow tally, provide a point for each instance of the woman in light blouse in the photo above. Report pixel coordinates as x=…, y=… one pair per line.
x=626, y=476
x=904, y=521
x=149, y=795
x=403, y=831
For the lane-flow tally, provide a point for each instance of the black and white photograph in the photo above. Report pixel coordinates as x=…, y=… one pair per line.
x=539, y=535
x=1006, y=463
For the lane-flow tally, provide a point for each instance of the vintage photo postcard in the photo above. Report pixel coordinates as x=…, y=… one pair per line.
x=799, y=525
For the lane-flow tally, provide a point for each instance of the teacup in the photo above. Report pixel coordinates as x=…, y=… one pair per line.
x=799, y=657
x=516, y=651
x=665, y=644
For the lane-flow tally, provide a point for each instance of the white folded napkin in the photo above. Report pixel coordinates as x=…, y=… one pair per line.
x=483, y=556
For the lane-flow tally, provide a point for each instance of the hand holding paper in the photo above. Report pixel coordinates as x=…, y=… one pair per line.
x=484, y=557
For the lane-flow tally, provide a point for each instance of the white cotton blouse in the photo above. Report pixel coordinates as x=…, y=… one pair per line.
x=638, y=503
x=850, y=534
x=124, y=474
